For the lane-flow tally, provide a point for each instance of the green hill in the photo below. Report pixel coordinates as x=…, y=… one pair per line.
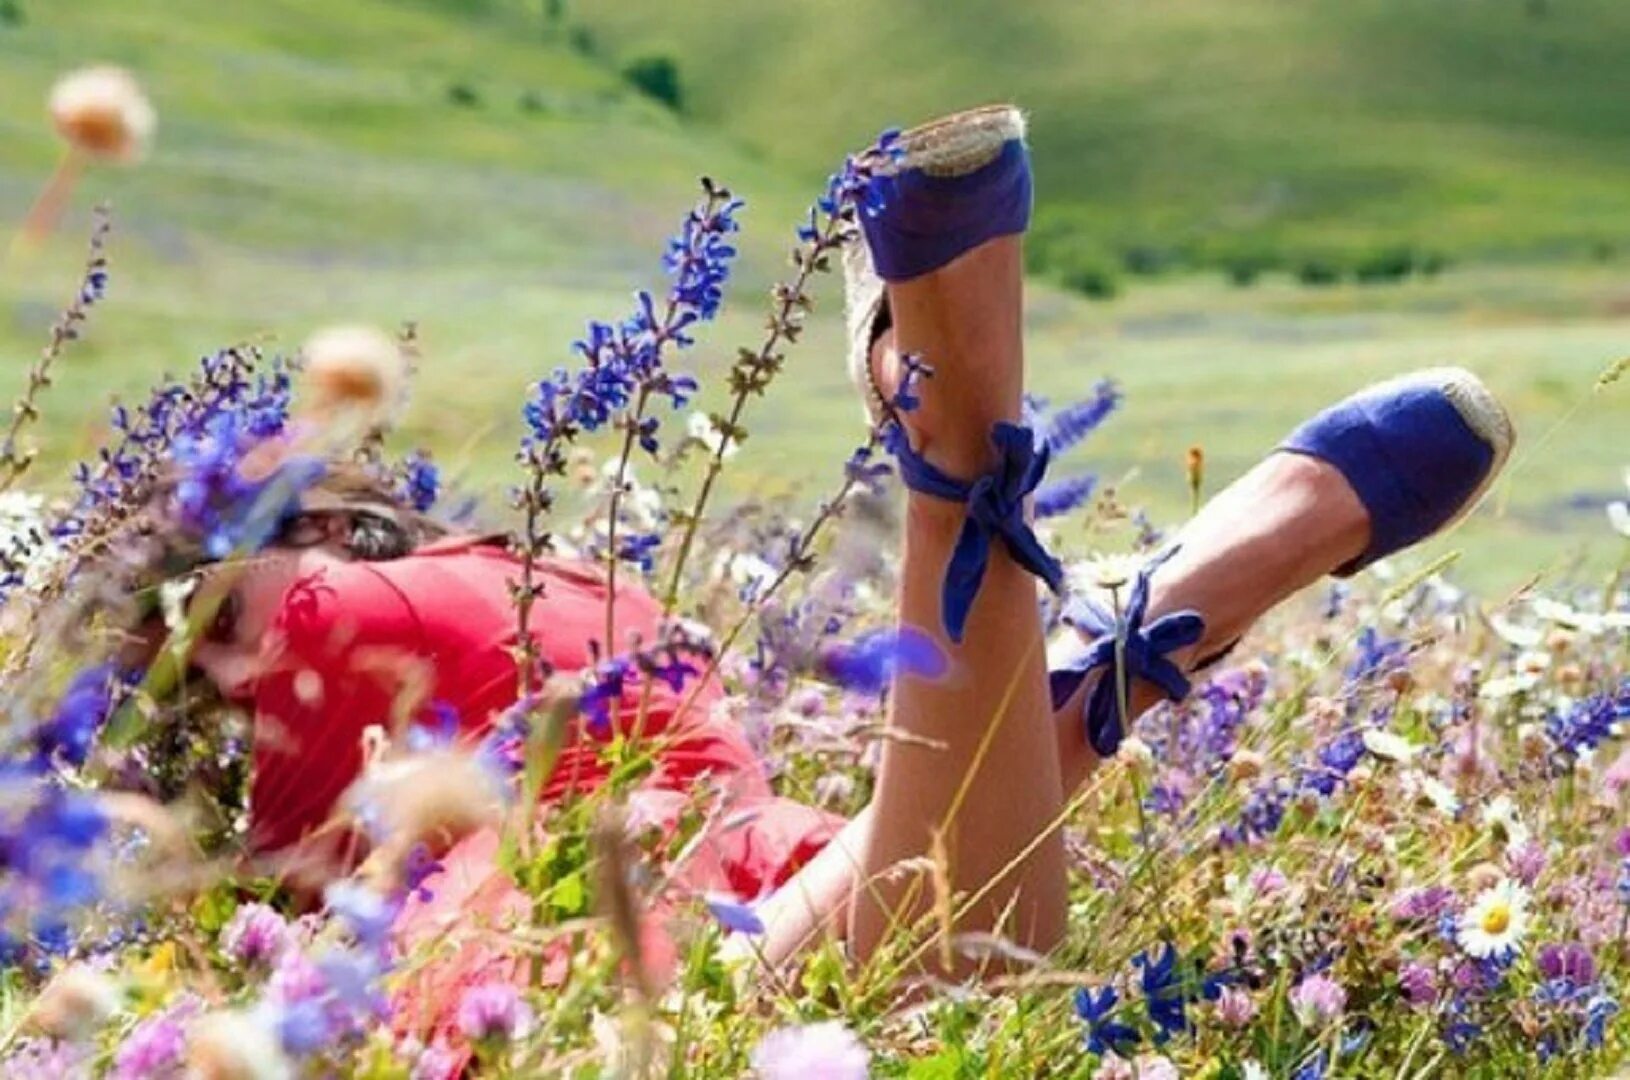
x=1207, y=129
x=364, y=160
x=483, y=167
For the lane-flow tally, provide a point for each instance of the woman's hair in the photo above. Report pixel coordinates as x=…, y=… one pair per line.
x=354, y=510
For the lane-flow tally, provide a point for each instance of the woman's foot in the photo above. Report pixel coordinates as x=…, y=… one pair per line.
x=959, y=183
x=1368, y=477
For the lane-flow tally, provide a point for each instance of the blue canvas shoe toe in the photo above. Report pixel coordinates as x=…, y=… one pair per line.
x=958, y=182
x=1419, y=451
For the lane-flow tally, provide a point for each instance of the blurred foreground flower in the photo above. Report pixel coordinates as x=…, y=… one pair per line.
x=826, y=1051
x=236, y=1045
x=73, y=1004
x=354, y=372
x=102, y=115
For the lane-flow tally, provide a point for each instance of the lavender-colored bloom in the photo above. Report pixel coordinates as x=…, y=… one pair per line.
x=71, y=731
x=1058, y=497
x=734, y=916
x=825, y=1051
x=1317, y=1000
x=872, y=661
x=438, y=1061
x=155, y=1048
x=256, y=936
x=1571, y=961
x=1422, y=903
x=43, y=1059
x=1064, y=428
x=1377, y=656
x=225, y=510
x=366, y=913
x=1527, y=862
x=1588, y=723
x=1418, y=983
x=1235, y=1007
x=493, y=1013
x=419, y=484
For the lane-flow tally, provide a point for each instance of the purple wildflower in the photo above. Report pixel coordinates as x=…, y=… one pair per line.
x=870, y=662
x=1317, y=1000
x=154, y=1049
x=1064, y=428
x=1058, y=497
x=734, y=915
x=493, y=1014
x=825, y=1051
x=1418, y=983
x=256, y=936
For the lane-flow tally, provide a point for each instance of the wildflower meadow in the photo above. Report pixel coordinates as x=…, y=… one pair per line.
x=1386, y=836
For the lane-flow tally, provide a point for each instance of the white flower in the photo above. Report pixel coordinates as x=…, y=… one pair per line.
x=1589, y=623
x=1251, y=1069
x=1501, y=815
x=102, y=113
x=237, y=1045
x=1508, y=686
x=1524, y=637
x=1618, y=513
x=1496, y=920
x=702, y=428
x=1440, y=795
x=1384, y=744
x=1111, y=573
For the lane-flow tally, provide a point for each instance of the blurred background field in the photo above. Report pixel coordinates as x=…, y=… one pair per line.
x=1248, y=207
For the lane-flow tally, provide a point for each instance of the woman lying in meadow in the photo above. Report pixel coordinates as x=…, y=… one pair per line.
x=397, y=702
x=361, y=613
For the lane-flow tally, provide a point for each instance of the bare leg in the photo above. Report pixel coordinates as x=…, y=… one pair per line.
x=1279, y=528
x=988, y=716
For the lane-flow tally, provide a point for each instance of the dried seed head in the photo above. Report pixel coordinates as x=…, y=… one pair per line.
x=234, y=1046
x=73, y=1004
x=354, y=370
x=434, y=798
x=102, y=113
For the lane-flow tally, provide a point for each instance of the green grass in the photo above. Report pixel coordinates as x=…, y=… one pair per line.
x=1483, y=126
x=311, y=167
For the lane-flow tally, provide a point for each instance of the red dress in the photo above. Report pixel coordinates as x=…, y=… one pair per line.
x=378, y=643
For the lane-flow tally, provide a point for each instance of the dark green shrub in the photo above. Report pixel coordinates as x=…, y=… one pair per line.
x=582, y=41
x=1148, y=260
x=1389, y=265
x=532, y=102
x=463, y=95
x=11, y=13
x=1431, y=263
x=656, y=76
x=1095, y=283
x=1318, y=271
x=1243, y=268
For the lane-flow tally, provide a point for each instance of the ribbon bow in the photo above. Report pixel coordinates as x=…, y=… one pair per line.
x=1144, y=651
x=995, y=504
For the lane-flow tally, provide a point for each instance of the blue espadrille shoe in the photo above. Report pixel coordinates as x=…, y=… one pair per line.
x=957, y=182
x=1419, y=451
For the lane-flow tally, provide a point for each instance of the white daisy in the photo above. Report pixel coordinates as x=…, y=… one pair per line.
x=1384, y=744
x=1496, y=920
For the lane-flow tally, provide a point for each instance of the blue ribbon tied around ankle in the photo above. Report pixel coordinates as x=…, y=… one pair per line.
x=995, y=511
x=1144, y=652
